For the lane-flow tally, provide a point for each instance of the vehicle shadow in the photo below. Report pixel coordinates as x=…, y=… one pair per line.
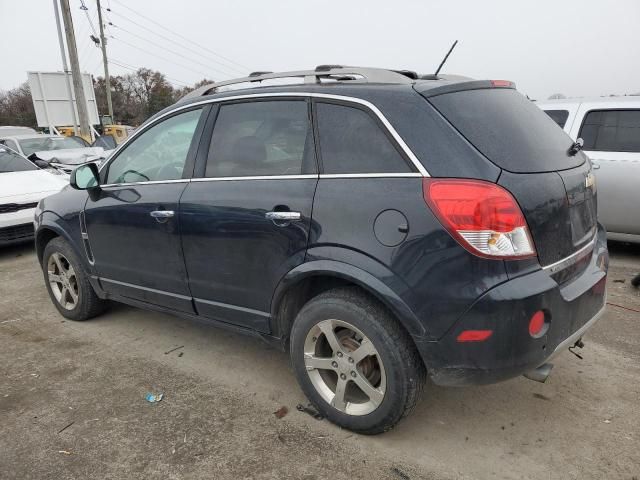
x=17, y=250
x=623, y=248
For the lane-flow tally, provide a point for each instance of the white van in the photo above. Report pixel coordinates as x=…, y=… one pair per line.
x=610, y=129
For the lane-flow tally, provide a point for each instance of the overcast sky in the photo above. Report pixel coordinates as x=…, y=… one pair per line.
x=574, y=47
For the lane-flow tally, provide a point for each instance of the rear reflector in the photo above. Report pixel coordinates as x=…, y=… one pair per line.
x=536, y=324
x=482, y=216
x=474, y=335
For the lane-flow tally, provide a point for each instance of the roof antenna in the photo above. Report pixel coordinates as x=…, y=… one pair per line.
x=445, y=58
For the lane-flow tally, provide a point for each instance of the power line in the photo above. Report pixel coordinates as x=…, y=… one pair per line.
x=135, y=69
x=158, y=56
x=174, y=42
x=168, y=49
x=244, y=67
x=83, y=49
x=128, y=66
x=84, y=8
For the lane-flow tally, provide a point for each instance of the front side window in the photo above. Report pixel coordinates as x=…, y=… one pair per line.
x=352, y=142
x=261, y=138
x=611, y=131
x=558, y=116
x=159, y=153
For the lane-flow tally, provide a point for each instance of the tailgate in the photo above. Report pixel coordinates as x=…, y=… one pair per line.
x=560, y=208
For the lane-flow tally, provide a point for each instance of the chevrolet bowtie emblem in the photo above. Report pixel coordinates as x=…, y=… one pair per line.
x=590, y=180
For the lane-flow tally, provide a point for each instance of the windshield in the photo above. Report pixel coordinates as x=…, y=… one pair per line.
x=31, y=145
x=12, y=162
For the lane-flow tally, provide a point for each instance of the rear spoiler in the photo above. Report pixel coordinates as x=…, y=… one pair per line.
x=461, y=86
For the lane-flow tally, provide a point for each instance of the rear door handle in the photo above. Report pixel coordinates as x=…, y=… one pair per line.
x=282, y=219
x=162, y=215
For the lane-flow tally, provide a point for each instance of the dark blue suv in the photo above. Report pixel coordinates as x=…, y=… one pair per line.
x=380, y=225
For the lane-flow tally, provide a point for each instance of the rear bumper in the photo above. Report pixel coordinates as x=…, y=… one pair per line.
x=571, y=308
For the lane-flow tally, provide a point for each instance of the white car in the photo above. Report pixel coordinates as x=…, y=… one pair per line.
x=610, y=130
x=27, y=144
x=22, y=185
x=55, y=151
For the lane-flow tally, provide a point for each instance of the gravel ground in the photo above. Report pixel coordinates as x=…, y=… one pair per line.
x=72, y=402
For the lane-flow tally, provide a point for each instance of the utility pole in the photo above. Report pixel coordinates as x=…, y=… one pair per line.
x=107, y=80
x=65, y=68
x=81, y=101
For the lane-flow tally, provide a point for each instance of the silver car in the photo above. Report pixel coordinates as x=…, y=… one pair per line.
x=610, y=129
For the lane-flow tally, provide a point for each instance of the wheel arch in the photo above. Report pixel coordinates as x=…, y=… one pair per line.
x=43, y=236
x=49, y=227
x=312, y=278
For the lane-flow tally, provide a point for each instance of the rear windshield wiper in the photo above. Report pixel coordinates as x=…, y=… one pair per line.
x=576, y=147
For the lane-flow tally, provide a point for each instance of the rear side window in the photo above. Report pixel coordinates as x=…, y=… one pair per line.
x=351, y=141
x=262, y=138
x=611, y=131
x=558, y=116
x=508, y=129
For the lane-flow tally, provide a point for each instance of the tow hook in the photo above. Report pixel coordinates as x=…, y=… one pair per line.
x=579, y=344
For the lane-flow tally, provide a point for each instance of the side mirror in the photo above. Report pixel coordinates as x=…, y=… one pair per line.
x=85, y=177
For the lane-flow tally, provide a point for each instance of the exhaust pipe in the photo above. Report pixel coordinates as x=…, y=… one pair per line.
x=541, y=373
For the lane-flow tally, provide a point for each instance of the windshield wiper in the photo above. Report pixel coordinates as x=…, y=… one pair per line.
x=576, y=147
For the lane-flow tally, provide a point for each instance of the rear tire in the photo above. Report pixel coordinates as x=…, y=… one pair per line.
x=68, y=282
x=355, y=362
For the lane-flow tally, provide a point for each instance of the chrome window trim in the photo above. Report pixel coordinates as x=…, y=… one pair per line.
x=255, y=177
x=571, y=259
x=270, y=177
x=405, y=148
x=149, y=182
x=371, y=175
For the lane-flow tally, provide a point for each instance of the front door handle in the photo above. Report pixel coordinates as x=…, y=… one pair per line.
x=283, y=219
x=162, y=215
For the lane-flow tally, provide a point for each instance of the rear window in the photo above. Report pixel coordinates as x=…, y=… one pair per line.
x=508, y=129
x=611, y=131
x=558, y=116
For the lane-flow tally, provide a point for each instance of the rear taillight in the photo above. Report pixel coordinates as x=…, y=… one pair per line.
x=482, y=216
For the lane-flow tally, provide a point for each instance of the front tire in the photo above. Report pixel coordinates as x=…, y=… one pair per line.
x=354, y=362
x=68, y=283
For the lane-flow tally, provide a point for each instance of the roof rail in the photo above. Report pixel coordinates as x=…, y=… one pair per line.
x=335, y=72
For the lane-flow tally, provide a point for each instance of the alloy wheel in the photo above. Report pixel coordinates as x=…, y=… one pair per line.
x=63, y=281
x=344, y=367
